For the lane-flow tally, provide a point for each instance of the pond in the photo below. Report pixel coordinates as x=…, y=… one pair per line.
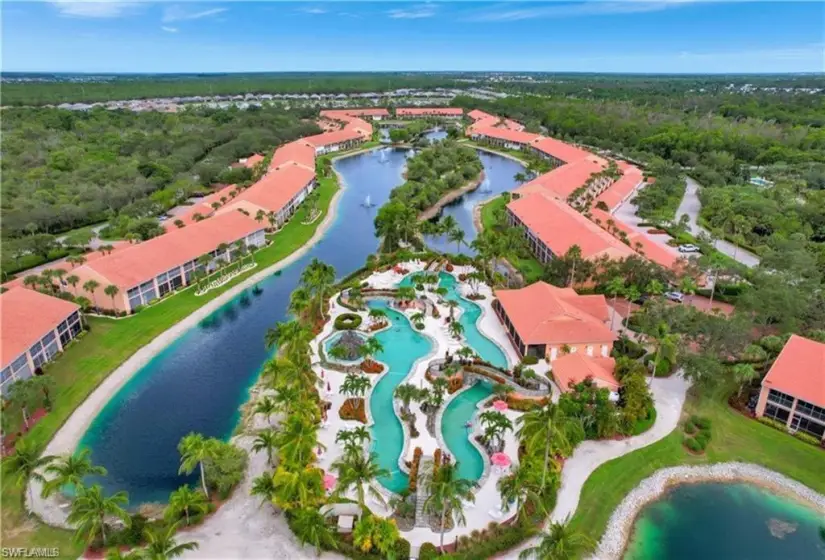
x=198, y=383
x=723, y=521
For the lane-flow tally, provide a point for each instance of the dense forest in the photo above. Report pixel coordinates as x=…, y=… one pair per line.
x=146, y=87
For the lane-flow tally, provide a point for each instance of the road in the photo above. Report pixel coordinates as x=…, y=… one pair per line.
x=691, y=206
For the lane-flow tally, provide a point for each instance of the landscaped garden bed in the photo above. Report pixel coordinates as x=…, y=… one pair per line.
x=347, y=321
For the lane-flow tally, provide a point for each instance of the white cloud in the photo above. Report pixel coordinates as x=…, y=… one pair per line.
x=313, y=11
x=591, y=8
x=415, y=12
x=179, y=13
x=94, y=8
x=169, y=29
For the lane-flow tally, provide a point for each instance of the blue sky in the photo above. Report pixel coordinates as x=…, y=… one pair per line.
x=595, y=36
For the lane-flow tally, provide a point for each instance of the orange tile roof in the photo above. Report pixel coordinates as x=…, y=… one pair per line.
x=575, y=368
x=562, y=181
x=299, y=151
x=202, y=207
x=417, y=111
x=545, y=314
x=277, y=188
x=146, y=260
x=367, y=112
x=560, y=227
x=505, y=134
x=334, y=137
x=663, y=256
x=799, y=370
x=616, y=193
x=26, y=316
x=477, y=115
x=560, y=150
x=253, y=160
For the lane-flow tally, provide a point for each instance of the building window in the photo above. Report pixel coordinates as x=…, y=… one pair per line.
x=5, y=375
x=808, y=426
x=20, y=368
x=780, y=398
x=781, y=414
x=811, y=410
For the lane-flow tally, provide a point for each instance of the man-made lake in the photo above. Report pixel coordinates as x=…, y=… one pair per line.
x=716, y=521
x=198, y=383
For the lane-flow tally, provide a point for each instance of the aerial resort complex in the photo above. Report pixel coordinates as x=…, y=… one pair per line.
x=409, y=315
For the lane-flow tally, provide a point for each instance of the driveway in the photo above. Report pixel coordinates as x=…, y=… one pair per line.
x=691, y=206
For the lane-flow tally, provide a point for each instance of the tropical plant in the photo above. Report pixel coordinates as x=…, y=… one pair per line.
x=267, y=407
x=545, y=425
x=264, y=487
x=632, y=293
x=296, y=440
x=466, y=352
x=90, y=286
x=293, y=337
x=298, y=488
x=495, y=425
x=185, y=502
x=317, y=278
x=446, y=492
x=360, y=471
x=25, y=464
x=111, y=290
x=376, y=533
x=407, y=393
x=457, y=236
x=299, y=301
x=355, y=384
x=560, y=543
x=70, y=470
x=311, y=528
x=456, y=329
x=161, y=544
x=369, y=348
x=743, y=374
x=614, y=289
x=522, y=486
x=89, y=510
x=194, y=449
x=265, y=440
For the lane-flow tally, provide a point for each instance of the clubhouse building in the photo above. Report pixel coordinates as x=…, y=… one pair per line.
x=793, y=391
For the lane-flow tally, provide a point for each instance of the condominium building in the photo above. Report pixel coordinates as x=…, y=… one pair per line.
x=35, y=328
x=793, y=391
x=425, y=112
x=336, y=141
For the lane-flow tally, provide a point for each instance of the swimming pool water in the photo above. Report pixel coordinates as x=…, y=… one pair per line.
x=456, y=433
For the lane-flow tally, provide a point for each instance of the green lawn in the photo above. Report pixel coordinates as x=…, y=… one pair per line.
x=87, y=362
x=734, y=438
x=529, y=267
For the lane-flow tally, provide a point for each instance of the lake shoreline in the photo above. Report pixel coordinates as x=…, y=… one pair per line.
x=617, y=536
x=451, y=196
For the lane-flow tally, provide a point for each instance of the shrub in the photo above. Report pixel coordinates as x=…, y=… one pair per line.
x=428, y=551
x=807, y=438
x=692, y=445
x=226, y=469
x=773, y=423
x=754, y=354
x=419, y=326
x=690, y=427
x=626, y=347
x=701, y=422
x=772, y=344
x=529, y=360
x=347, y=321
x=703, y=438
x=524, y=405
x=402, y=549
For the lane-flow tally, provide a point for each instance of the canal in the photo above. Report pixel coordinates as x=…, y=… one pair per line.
x=198, y=383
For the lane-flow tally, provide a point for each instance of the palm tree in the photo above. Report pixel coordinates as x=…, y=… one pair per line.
x=466, y=352
x=378, y=315
x=31, y=281
x=547, y=425
x=83, y=302
x=521, y=486
x=665, y=345
x=294, y=338
x=317, y=277
x=370, y=348
x=355, y=384
x=405, y=293
x=614, y=288
x=89, y=510
x=360, y=470
x=161, y=544
x=90, y=286
x=185, y=501
x=417, y=317
x=296, y=440
x=298, y=487
x=310, y=526
x=299, y=301
x=560, y=543
x=76, y=260
x=742, y=374
x=26, y=464
x=456, y=236
x=111, y=290
x=446, y=492
x=264, y=486
x=179, y=223
x=495, y=426
x=448, y=223
x=72, y=280
x=194, y=449
x=23, y=396
x=70, y=471
x=519, y=177
x=265, y=440
x=117, y=554
x=266, y=406
x=407, y=393
x=456, y=329
x=632, y=294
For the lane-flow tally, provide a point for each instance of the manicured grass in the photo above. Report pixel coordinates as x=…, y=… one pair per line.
x=86, y=363
x=529, y=267
x=734, y=438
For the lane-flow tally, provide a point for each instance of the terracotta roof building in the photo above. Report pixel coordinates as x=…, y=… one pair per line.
x=35, y=327
x=299, y=151
x=562, y=182
x=278, y=193
x=335, y=141
x=422, y=112
x=793, y=391
x=622, y=189
x=154, y=268
x=545, y=321
x=485, y=132
x=572, y=369
x=551, y=228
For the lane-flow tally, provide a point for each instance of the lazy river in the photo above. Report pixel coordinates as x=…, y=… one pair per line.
x=718, y=521
x=198, y=383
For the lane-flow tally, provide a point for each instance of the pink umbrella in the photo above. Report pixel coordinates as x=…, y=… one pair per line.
x=329, y=481
x=322, y=374
x=501, y=460
x=500, y=405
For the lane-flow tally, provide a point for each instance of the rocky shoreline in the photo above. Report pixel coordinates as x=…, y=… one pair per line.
x=619, y=527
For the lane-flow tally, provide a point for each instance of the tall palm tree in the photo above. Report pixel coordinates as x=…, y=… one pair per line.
x=287, y=397
x=370, y=348
x=23, y=396
x=560, y=543
x=294, y=338
x=311, y=528
x=545, y=425
x=407, y=393
x=72, y=280
x=378, y=315
x=264, y=487
x=360, y=470
x=632, y=293
x=521, y=486
x=317, y=277
x=299, y=487
x=89, y=510
x=267, y=407
x=456, y=236
x=90, y=286
x=296, y=440
x=446, y=492
x=26, y=463
x=665, y=345
x=456, y=329
x=299, y=301
x=70, y=470
x=185, y=501
x=194, y=449
x=448, y=223
x=615, y=287
x=265, y=440
x=161, y=544
x=355, y=384
x=111, y=290
x=495, y=426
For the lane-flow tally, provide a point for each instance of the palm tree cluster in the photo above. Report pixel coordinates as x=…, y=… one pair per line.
x=495, y=425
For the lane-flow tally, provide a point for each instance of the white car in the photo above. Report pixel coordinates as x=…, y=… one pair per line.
x=689, y=248
x=678, y=297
